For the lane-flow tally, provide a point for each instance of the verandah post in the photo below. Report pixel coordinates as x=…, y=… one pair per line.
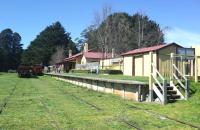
x=171, y=67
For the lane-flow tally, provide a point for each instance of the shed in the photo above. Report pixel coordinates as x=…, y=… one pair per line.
x=137, y=62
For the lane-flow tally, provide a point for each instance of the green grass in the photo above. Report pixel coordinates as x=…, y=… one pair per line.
x=47, y=104
x=120, y=77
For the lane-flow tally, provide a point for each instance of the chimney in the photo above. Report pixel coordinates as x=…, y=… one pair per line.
x=85, y=47
x=113, y=53
x=70, y=53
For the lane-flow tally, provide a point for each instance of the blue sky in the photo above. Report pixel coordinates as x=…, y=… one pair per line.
x=29, y=17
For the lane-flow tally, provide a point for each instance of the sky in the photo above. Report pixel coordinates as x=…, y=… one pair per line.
x=30, y=17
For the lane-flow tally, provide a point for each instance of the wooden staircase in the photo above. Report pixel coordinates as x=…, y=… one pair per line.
x=168, y=92
x=172, y=94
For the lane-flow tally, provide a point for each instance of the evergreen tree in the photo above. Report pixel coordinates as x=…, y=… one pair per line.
x=10, y=50
x=123, y=32
x=47, y=43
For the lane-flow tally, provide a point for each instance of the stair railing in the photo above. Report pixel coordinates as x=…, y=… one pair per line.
x=184, y=85
x=161, y=82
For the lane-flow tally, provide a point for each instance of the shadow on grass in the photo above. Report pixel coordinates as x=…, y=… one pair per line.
x=193, y=90
x=28, y=77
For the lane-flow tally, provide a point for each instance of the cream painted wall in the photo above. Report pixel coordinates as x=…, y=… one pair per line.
x=197, y=53
x=139, y=65
x=146, y=64
x=154, y=61
x=114, y=63
x=128, y=65
x=83, y=60
x=106, y=62
x=197, y=50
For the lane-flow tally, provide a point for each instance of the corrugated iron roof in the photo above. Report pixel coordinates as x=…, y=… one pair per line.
x=97, y=55
x=148, y=49
x=89, y=55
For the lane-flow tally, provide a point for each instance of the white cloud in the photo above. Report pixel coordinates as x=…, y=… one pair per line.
x=182, y=37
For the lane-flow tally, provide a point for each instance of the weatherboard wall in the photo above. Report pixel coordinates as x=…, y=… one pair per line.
x=164, y=61
x=128, y=65
x=138, y=65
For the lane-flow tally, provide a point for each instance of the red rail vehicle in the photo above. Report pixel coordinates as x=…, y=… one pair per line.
x=37, y=69
x=24, y=70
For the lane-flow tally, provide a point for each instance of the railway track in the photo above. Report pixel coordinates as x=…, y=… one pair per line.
x=84, y=101
x=7, y=98
x=131, y=124
x=54, y=123
x=79, y=99
x=164, y=116
x=152, y=112
x=126, y=122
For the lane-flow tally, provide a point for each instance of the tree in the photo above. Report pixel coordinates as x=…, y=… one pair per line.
x=10, y=50
x=48, y=44
x=123, y=32
x=147, y=32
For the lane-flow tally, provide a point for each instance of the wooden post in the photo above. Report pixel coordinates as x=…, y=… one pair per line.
x=192, y=67
x=171, y=67
x=104, y=86
x=196, y=69
x=139, y=93
x=187, y=93
x=97, y=85
x=91, y=85
x=112, y=84
x=123, y=87
x=164, y=92
x=150, y=77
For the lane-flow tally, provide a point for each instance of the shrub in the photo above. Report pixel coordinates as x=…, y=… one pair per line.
x=79, y=71
x=108, y=71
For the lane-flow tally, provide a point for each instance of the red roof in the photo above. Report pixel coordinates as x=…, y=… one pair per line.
x=73, y=57
x=148, y=49
x=97, y=55
x=89, y=55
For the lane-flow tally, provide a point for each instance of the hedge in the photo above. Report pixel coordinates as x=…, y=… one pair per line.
x=79, y=71
x=107, y=71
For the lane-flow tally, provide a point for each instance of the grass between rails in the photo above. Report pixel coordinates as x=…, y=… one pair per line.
x=44, y=103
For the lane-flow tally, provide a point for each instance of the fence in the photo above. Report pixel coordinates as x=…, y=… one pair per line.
x=186, y=66
x=87, y=66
